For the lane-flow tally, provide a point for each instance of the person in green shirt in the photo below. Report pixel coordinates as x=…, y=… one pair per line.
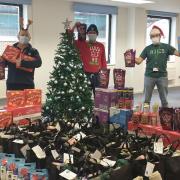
x=156, y=56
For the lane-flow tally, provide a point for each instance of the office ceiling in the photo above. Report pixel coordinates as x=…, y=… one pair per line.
x=159, y=5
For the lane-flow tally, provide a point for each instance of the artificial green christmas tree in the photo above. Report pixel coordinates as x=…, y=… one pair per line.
x=69, y=94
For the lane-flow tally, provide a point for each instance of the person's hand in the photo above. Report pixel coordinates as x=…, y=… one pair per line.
x=77, y=24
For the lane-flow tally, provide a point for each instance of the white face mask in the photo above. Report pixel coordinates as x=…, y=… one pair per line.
x=92, y=37
x=24, y=39
x=155, y=40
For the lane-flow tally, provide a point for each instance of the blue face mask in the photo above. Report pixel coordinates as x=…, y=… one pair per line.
x=92, y=37
x=24, y=39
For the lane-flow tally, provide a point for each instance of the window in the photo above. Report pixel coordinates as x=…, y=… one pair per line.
x=9, y=24
x=103, y=23
x=164, y=23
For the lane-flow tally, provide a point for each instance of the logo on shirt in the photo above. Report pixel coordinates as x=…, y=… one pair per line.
x=95, y=52
x=157, y=51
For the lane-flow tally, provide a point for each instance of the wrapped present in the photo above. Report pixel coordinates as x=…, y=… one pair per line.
x=129, y=57
x=15, y=99
x=11, y=54
x=33, y=96
x=101, y=115
x=2, y=70
x=25, y=57
x=27, y=112
x=105, y=98
x=119, y=78
x=166, y=118
x=5, y=118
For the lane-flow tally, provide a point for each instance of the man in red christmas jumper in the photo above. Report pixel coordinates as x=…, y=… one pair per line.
x=92, y=54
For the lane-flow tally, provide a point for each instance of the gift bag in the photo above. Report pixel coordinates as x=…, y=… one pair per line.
x=119, y=78
x=129, y=58
x=104, y=78
x=166, y=117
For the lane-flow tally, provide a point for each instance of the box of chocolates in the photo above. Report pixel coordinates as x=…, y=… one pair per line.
x=105, y=98
x=33, y=96
x=5, y=118
x=11, y=54
x=15, y=99
x=23, y=113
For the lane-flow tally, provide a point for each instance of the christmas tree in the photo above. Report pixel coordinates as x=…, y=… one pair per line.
x=69, y=94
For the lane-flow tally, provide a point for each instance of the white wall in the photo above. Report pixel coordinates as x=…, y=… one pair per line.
x=47, y=24
x=48, y=17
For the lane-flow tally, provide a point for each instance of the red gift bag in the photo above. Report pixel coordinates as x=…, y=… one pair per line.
x=129, y=57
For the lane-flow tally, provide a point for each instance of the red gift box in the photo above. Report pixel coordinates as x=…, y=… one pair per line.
x=11, y=54
x=15, y=99
x=5, y=118
x=22, y=113
x=33, y=96
x=25, y=57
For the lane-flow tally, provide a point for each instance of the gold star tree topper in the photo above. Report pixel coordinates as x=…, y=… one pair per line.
x=67, y=24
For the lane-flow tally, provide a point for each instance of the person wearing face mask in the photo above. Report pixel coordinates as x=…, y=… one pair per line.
x=156, y=56
x=18, y=78
x=92, y=53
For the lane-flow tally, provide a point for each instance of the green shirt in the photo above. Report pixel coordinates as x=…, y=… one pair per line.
x=157, y=57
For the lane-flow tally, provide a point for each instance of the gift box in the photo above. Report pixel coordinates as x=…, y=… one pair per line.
x=2, y=70
x=101, y=115
x=129, y=58
x=25, y=57
x=105, y=98
x=15, y=99
x=120, y=116
x=33, y=96
x=11, y=54
x=30, y=112
x=5, y=118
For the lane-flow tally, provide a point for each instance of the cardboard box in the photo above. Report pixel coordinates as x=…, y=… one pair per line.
x=101, y=115
x=15, y=99
x=33, y=96
x=2, y=70
x=5, y=118
x=11, y=54
x=22, y=113
x=105, y=98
